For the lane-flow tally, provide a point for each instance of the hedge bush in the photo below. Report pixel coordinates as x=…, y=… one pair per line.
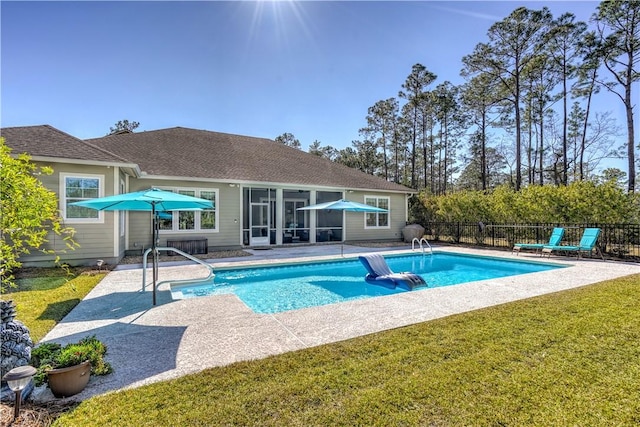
x=579, y=202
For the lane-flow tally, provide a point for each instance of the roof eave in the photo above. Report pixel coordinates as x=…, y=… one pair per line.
x=51, y=159
x=274, y=184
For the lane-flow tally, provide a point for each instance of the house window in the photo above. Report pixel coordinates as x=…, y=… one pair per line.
x=208, y=216
x=187, y=219
x=76, y=188
x=191, y=221
x=376, y=219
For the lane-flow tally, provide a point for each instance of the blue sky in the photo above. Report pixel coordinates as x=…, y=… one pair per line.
x=250, y=68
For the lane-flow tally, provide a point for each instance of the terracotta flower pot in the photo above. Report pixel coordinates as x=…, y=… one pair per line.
x=65, y=382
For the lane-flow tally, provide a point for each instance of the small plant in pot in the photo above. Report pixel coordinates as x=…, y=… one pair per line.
x=66, y=369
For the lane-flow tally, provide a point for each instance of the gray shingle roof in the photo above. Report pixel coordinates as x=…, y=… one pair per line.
x=47, y=141
x=183, y=152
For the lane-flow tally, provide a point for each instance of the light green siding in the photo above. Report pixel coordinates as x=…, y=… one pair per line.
x=96, y=240
x=105, y=241
x=355, y=221
x=227, y=234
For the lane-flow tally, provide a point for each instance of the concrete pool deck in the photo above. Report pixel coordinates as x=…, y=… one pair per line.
x=149, y=343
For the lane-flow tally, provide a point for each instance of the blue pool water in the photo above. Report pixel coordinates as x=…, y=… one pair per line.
x=290, y=287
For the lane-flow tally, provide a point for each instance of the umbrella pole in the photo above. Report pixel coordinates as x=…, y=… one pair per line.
x=154, y=251
x=155, y=273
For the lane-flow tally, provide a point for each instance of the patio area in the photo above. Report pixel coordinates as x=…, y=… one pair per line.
x=174, y=338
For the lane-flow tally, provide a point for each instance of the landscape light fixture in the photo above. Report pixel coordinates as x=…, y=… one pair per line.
x=17, y=379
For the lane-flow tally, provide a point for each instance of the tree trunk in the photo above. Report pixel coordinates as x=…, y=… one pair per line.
x=530, y=171
x=565, y=164
x=413, y=148
x=446, y=155
x=631, y=146
x=424, y=149
x=541, y=145
x=395, y=143
x=384, y=155
x=483, y=153
x=518, y=142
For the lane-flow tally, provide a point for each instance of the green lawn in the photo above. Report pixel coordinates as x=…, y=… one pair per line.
x=44, y=296
x=565, y=359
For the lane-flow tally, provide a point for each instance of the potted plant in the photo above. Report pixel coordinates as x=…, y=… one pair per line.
x=66, y=369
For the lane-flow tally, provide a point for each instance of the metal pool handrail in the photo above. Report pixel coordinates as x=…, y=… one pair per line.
x=184, y=254
x=419, y=241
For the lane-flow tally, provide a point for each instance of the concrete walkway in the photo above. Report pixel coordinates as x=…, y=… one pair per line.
x=149, y=343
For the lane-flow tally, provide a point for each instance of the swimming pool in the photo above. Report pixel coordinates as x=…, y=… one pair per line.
x=273, y=289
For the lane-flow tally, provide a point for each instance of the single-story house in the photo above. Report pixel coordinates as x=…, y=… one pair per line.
x=256, y=186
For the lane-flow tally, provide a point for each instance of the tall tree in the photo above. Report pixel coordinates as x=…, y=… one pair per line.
x=328, y=152
x=478, y=98
x=562, y=43
x=428, y=120
x=602, y=133
x=401, y=137
x=471, y=176
x=513, y=42
x=382, y=119
x=123, y=126
x=368, y=157
x=451, y=121
x=586, y=84
x=289, y=140
x=412, y=90
x=348, y=157
x=363, y=155
x=574, y=130
x=615, y=175
x=542, y=75
x=316, y=148
x=618, y=25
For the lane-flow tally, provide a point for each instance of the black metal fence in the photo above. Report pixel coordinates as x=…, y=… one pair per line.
x=616, y=240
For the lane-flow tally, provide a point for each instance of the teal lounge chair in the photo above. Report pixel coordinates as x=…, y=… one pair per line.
x=554, y=240
x=587, y=244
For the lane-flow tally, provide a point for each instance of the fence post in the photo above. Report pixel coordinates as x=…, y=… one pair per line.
x=493, y=236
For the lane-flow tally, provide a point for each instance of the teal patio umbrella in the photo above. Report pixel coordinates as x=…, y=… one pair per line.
x=343, y=205
x=152, y=200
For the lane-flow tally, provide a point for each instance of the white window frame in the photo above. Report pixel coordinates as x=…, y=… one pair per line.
x=377, y=214
x=175, y=223
x=63, y=197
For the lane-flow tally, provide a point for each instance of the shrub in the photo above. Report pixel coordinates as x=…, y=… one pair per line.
x=49, y=356
x=579, y=202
